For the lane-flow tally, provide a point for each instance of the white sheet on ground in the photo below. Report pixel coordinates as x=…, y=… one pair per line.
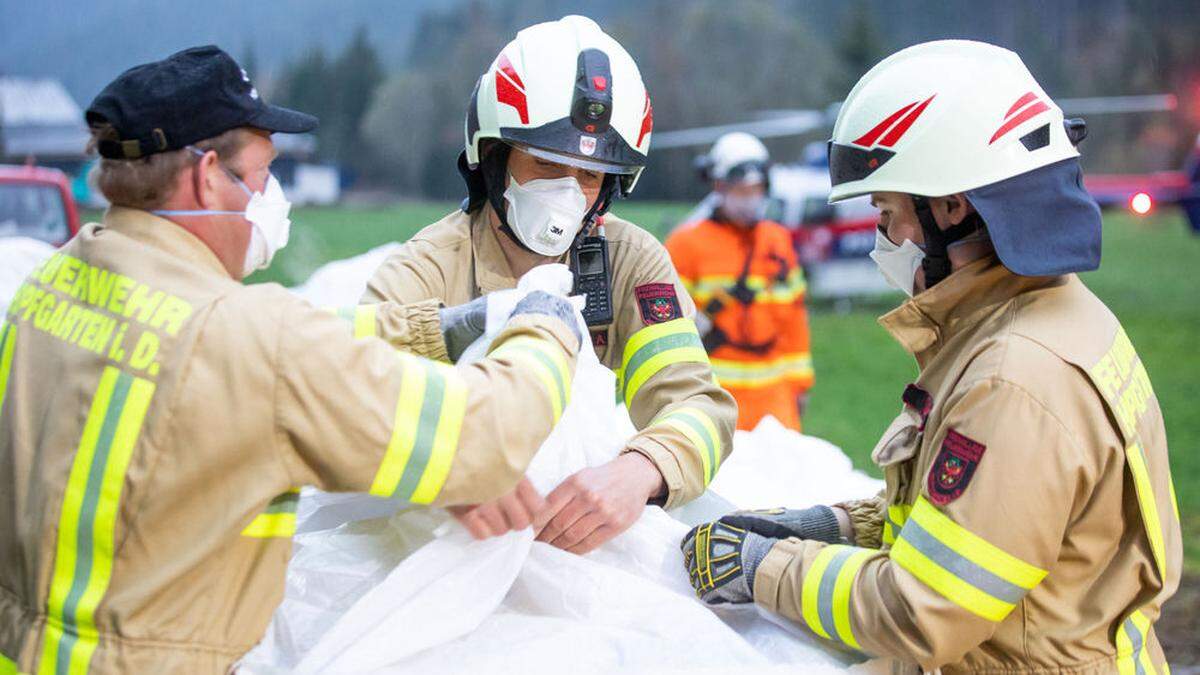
x=375, y=589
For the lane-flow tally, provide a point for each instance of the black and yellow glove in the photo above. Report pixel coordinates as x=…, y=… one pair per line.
x=721, y=560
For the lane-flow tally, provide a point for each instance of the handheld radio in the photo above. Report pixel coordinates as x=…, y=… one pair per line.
x=589, y=263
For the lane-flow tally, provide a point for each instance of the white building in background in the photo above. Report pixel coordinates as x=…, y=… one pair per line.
x=39, y=121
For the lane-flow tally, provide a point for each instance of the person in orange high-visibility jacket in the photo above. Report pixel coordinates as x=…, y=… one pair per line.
x=742, y=273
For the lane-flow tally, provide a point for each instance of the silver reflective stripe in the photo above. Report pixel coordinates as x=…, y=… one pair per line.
x=1135, y=639
x=825, y=590
x=959, y=566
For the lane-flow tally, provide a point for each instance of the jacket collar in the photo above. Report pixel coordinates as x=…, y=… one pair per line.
x=152, y=230
x=925, y=322
x=492, y=272
x=491, y=268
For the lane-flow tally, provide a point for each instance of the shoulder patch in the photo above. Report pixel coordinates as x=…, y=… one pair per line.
x=657, y=303
x=953, y=467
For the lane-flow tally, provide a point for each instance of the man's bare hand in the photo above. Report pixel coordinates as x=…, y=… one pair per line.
x=514, y=511
x=598, y=503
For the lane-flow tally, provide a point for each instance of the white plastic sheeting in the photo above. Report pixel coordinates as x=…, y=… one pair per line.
x=412, y=592
x=375, y=589
x=342, y=282
x=18, y=257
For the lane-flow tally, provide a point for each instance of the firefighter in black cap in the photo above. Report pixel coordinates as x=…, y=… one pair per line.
x=157, y=417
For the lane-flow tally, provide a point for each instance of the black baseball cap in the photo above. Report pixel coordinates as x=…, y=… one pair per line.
x=187, y=97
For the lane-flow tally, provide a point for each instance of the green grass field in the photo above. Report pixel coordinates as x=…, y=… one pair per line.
x=1147, y=279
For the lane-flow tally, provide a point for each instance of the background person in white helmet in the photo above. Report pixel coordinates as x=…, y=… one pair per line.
x=556, y=129
x=1028, y=522
x=742, y=273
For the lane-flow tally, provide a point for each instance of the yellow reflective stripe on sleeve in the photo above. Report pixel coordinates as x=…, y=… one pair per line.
x=548, y=363
x=961, y=566
x=87, y=522
x=655, y=347
x=364, y=321
x=1145, y=494
x=826, y=591
x=360, y=317
x=7, y=666
x=445, y=439
x=429, y=415
x=8, y=342
x=1174, y=499
x=1132, y=656
x=277, y=520
x=271, y=526
x=810, y=591
x=893, y=520
x=700, y=431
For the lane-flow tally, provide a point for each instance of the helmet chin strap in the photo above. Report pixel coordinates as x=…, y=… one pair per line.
x=937, y=241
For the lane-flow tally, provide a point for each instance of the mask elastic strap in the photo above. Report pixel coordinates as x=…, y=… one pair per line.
x=237, y=179
x=936, y=262
x=207, y=212
x=196, y=212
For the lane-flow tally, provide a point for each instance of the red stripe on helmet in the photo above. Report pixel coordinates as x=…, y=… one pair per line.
x=647, y=121
x=510, y=90
x=1024, y=116
x=506, y=67
x=868, y=139
x=1026, y=98
x=903, y=125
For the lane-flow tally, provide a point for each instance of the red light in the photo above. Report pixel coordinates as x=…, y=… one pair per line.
x=1141, y=203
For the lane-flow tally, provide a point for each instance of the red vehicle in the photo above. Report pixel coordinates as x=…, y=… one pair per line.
x=36, y=202
x=1143, y=193
x=832, y=240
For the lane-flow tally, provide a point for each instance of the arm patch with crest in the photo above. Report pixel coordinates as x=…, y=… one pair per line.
x=657, y=303
x=953, y=467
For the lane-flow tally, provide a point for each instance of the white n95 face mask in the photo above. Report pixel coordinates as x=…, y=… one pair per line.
x=546, y=214
x=267, y=212
x=897, y=263
x=744, y=210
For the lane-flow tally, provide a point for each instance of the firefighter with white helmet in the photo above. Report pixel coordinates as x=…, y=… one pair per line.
x=742, y=273
x=1028, y=522
x=557, y=128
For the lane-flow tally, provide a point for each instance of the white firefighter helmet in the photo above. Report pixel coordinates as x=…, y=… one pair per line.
x=567, y=92
x=736, y=157
x=952, y=116
x=944, y=117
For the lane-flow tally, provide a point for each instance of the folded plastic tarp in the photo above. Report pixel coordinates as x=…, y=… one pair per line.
x=374, y=587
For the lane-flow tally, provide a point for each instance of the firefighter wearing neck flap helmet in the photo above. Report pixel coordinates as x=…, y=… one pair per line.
x=557, y=128
x=1028, y=521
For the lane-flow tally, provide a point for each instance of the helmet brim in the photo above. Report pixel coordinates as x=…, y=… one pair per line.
x=577, y=161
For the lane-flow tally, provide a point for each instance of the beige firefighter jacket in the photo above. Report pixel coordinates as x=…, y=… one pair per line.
x=1028, y=522
x=685, y=420
x=157, y=419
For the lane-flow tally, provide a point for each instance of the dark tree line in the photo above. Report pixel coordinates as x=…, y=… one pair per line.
x=713, y=62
